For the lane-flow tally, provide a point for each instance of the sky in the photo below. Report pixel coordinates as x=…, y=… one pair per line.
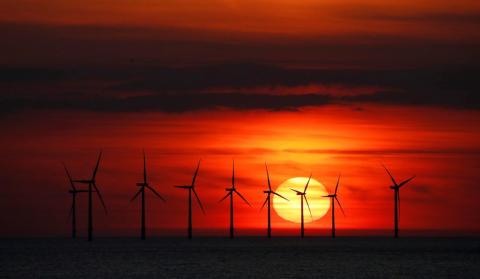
x=321, y=87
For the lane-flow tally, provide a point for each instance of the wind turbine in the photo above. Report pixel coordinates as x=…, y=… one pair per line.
x=269, y=192
x=191, y=188
x=92, y=187
x=303, y=195
x=230, y=192
x=142, y=186
x=396, y=188
x=334, y=198
x=73, y=211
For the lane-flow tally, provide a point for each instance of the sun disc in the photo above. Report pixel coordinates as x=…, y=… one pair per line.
x=290, y=210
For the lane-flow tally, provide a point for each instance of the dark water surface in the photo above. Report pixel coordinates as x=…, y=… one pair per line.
x=247, y=257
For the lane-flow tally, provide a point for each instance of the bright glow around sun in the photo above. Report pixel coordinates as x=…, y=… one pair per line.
x=290, y=210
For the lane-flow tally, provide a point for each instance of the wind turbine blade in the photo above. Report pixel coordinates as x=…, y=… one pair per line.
x=338, y=182
x=100, y=197
x=264, y=203
x=280, y=196
x=268, y=177
x=144, y=168
x=136, y=195
x=233, y=174
x=226, y=196
x=240, y=195
x=96, y=166
x=406, y=181
x=311, y=216
x=298, y=192
x=156, y=193
x=196, y=172
x=391, y=176
x=69, y=177
x=341, y=208
x=198, y=200
x=306, y=186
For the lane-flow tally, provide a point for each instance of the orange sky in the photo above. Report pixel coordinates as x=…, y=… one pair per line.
x=280, y=16
x=308, y=86
x=324, y=141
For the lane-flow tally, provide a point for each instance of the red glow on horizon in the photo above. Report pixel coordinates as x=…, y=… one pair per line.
x=317, y=140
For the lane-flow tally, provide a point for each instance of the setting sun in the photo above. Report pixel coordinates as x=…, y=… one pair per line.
x=290, y=210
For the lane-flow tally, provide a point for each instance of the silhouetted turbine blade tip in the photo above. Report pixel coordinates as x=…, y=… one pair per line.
x=144, y=167
x=296, y=191
x=198, y=200
x=391, y=176
x=406, y=181
x=338, y=182
x=97, y=165
x=306, y=200
x=264, y=203
x=341, y=208
x=72, y=184
x=226, y=196
x=308, y=181
x=100, y=197
x=244, y=199
x=136, y=195
x=275, y=193
x=155, y=192
x=268, y=177
x=196, y=173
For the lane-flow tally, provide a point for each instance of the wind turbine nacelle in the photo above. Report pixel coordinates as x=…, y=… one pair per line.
x=229, y=189
x=392, y=187
x=141, y=184
x=267, y=192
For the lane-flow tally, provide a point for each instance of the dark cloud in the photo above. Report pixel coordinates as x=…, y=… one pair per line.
x=187, y=88
x=118, y=68
x=388, y=14
x=113, y=46
x=172, y=102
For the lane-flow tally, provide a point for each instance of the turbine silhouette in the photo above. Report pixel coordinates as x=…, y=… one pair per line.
x=73, y=210
x=334, y=198
x=230, y=192
x=141, y=191
x=303, y=195
x=92, y=187
x=191, y=188
x=396, y=188
x=269, y=192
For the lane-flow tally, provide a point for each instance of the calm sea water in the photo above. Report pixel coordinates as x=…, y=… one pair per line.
x=247, y=257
